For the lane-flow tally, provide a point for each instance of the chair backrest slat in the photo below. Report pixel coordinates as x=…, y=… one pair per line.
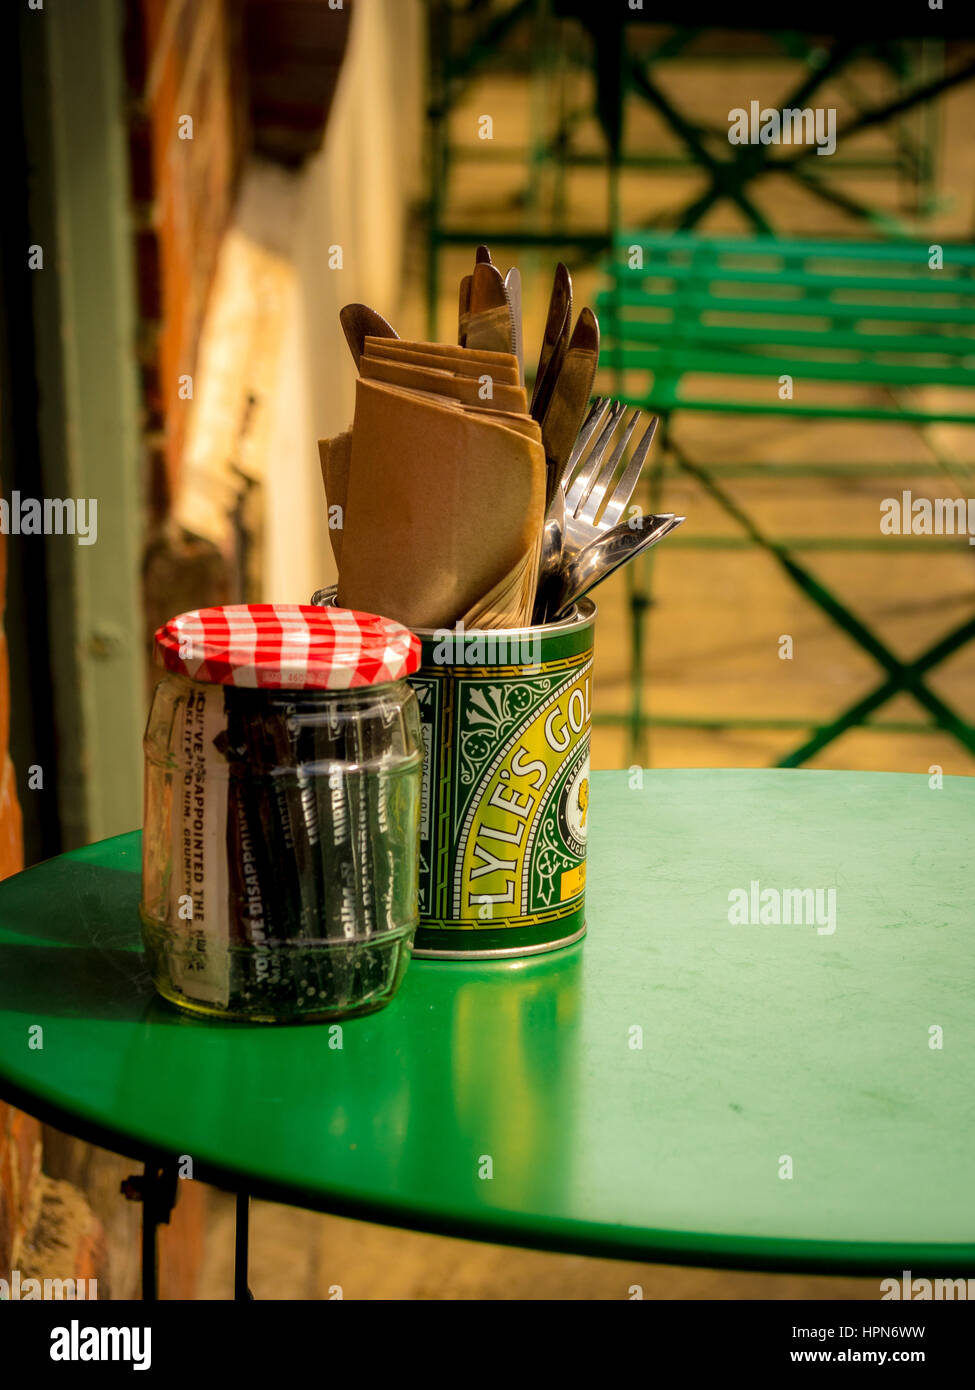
x=944, y=282
x=790, y=248
x=642, y=331
x=685, y=304
x=857, y=313
x=684, y=359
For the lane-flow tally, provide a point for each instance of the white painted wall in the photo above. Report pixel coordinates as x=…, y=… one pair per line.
x=354, y=194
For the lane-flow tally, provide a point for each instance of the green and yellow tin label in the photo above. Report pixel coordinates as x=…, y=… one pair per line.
x=505, y=806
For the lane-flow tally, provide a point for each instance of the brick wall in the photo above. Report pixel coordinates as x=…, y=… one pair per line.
x=251, y=74
x=20, y=1170
x=246, y=72
x=54, y=1218
x=180, y=63
x=20, y=1136
x=11, y=830
x=47, y=1228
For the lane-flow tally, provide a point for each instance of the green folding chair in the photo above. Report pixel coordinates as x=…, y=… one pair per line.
x=727, y=310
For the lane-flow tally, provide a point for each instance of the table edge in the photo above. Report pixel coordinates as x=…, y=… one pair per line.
x=759, y=1254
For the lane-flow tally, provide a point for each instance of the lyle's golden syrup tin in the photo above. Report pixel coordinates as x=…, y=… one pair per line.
x=504, y=815
x=505, y=719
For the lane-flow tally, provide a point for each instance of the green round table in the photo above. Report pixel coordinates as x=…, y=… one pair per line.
x=677, y=1087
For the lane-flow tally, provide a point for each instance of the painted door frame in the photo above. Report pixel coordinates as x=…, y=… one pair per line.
x=88, y=417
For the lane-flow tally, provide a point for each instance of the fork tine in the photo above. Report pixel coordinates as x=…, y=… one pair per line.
x=584, y=479
x=590, y=507
x=624, y=489
x=597, y=413
x=593, y=423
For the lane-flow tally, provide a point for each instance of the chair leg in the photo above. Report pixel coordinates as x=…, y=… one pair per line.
x=639, y=581
x=156, y=1189
x=901, y=676
x=637, y=750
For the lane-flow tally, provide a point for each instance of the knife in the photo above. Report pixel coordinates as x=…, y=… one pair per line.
x=463, y=310
x=489, y=320
x=570, y=398
x=512, y=287
x=554, y=340
x=359, y=322
x=482, y=254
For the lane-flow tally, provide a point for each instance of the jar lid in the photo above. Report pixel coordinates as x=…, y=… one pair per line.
x=294, y=646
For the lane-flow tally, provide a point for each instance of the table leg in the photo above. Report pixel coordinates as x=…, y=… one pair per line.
x=241, y=1243
x=156, y=1190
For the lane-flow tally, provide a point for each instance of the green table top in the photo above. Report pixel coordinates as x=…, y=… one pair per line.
x=760, y=1043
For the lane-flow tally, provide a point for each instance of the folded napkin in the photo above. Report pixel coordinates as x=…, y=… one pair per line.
x=444, y=382
x=500, y=366
x=336, y=455
x=443, y=501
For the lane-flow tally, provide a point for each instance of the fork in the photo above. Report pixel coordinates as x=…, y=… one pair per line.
x=581, y=510
x=586, y=492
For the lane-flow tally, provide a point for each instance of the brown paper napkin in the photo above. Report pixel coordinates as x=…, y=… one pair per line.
x=446, y=383
x=524, y=424
x=463, y=354
x=444, y=505
x=508, y=604
x=335, y=456
x=464, y=363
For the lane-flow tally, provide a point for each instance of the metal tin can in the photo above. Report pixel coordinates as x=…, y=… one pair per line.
x=505, y=721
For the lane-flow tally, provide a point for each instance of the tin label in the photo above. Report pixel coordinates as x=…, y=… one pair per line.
x=506, y=780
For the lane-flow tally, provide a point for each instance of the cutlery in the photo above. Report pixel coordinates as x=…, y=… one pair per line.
x=551, y=551
x=603, y=412
x=554, y=340
x=463, y=310
x=585, y=492
x=482, y=256
x=489, y=319
x=569, y=401
x=512, y=287
x=581, y=510
x=604, y=555
x=359, y=322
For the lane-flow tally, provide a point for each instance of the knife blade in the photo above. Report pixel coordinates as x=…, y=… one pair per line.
x=569, y=401
x=359, y=322
x=463, y=310
x=554, y=340
x=512, y=286
x=489, y=320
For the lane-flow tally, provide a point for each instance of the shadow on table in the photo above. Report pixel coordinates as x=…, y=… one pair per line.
x=70, y=943
x=73, y=900
x=74, y=982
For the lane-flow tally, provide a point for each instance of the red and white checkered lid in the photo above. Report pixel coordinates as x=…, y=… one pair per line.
x=278, y=646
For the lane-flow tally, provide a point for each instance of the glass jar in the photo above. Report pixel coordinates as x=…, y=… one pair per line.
x=280, y=843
